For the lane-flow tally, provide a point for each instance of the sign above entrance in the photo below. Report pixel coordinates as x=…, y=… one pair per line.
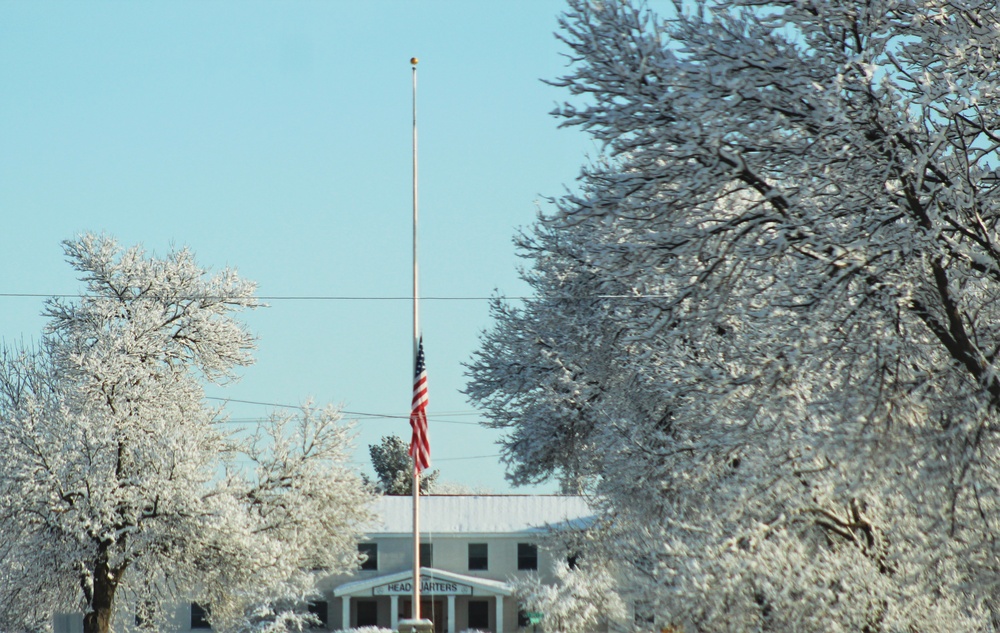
x=427, y=586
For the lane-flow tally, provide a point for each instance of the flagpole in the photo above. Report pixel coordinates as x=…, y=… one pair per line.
x=416, y=343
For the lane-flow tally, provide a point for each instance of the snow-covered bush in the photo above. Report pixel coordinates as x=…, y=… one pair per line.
x=580, y=600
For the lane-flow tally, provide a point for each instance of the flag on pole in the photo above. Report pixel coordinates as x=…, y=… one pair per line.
x=420, y=444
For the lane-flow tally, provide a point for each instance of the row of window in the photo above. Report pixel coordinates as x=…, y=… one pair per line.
x=478, y=611
x=367, y=615
x=479, y=560
x=479, y=556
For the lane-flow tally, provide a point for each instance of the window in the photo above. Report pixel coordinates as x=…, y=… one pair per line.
x=321, y=610
x=527, y=556
x=479, y=615
x=479, y=557
x=199, y=616
x=369, y=552
x=426, y=555
x=367, y=613
x=573, y=560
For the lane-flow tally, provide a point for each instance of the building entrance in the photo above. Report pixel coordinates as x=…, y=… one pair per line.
x=434, y=610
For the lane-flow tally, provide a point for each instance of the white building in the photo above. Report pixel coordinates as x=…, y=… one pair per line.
x=471, y=546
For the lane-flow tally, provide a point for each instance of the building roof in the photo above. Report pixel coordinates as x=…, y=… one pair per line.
x=481, y=514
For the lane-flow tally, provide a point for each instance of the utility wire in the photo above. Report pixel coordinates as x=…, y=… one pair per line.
x=246, y=460
x=38, y=295
x=458, y=459
x=369, y=416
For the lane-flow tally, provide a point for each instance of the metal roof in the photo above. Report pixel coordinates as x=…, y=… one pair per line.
x=481, y=514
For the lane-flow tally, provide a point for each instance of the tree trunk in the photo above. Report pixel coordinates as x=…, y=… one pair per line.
x=98, y=618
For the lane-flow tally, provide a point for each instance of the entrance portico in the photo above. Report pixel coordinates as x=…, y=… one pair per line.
x=435, y=584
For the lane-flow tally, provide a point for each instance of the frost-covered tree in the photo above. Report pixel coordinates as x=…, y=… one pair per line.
x=581, y=599
x=394, y=468
x=765, y=329
x=121, y=490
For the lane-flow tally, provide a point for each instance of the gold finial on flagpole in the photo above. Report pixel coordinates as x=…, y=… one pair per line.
x=414, y=61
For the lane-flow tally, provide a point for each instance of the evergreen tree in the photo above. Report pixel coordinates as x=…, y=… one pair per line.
x=394, y=468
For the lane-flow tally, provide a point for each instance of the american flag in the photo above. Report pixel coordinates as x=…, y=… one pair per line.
x=420, y=444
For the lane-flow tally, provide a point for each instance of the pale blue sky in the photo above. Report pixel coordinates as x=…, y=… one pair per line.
x=274, y=137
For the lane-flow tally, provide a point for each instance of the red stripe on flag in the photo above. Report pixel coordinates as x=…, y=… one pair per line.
x=420, y=443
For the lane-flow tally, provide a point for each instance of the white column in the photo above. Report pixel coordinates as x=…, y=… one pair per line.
x=394, y=613
x=451, y=614
x=499, y=614
x=345, y=612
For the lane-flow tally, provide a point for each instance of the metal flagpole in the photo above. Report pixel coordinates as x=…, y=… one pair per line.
x=416, y=615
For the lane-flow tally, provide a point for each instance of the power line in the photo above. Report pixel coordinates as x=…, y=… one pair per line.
x=367, y=416
x=246, y=460
x=458, y=459
x=39, y=295
x=367, y=419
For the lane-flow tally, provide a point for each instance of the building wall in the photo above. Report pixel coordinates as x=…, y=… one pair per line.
x=451, y=553
x=514, y=519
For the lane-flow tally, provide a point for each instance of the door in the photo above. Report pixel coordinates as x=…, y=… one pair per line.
x=434, y=610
